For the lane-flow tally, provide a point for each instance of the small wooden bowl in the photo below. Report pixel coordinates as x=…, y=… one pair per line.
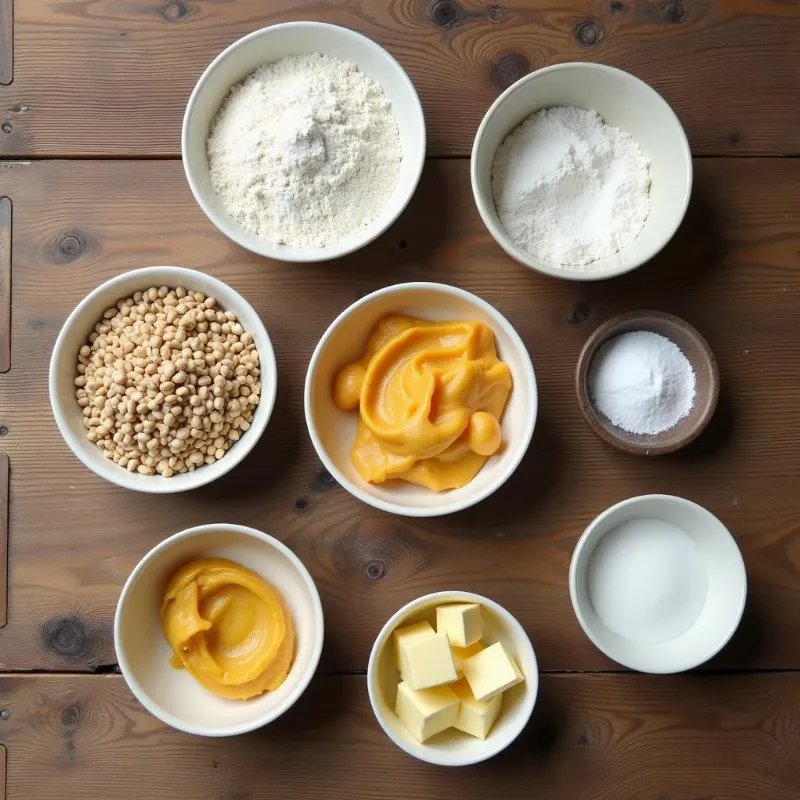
x=694, y=347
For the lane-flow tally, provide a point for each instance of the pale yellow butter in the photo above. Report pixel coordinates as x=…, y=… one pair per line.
x=427, y=712
x=427, y=661
x=402, y=636
x=461, y=654
x=474, y=717
x=461, y=622
x=491, y=672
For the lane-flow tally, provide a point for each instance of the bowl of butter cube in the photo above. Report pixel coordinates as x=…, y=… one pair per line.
x=453, y=678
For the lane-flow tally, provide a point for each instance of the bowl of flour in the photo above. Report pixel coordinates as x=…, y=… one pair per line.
x=303, y=141
x=581, y=171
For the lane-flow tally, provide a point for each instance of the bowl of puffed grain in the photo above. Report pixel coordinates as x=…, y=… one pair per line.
x=162, y=379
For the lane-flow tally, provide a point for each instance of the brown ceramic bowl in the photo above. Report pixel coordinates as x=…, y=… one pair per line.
x=694, y=347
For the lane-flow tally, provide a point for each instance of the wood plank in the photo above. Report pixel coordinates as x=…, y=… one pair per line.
x=592, y=736
x=110, y=78
x=6, y=41
x=5, y=284
x=733, y=271
x=5, y=500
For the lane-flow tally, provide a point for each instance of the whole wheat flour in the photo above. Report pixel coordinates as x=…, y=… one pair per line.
x=305, y=151
x=570, y=189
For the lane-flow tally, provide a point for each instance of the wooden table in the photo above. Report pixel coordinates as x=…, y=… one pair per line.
x=90, y=109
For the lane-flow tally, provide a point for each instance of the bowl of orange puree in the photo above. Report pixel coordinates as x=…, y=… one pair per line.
x=421, y=399
x=218, y=630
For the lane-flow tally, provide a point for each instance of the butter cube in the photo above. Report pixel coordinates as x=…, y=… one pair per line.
x=461, y=654
x=402, y=636
x=474, y=717
x=428, y=662
x=491, y=672
x=461, y=622
x=427, y=712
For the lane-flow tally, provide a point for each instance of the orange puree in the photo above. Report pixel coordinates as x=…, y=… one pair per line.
x=430, y=396
x=228, y=627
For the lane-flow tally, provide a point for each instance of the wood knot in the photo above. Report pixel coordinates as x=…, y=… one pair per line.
x=3, y=430
x=616, y=6
x=7, y=127
x=66, y=637
x=670, y=11
x=375, y=569
x=445, y=13
x=71, y=717
x=580, y=313
x=301, y=503
x=402, y=244
x=734, y=138
x=68, y=247
x=507, y=70
x=495, y=14
x=583, y=740
x=20, y=108
x=323, y=482
x=175, y=10
x=588, y=33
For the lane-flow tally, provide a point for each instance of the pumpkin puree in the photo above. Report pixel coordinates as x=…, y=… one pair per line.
x=430, y=397
x=228, y=627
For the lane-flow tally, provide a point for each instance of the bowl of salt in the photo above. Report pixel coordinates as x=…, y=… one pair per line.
x=658, y=584
x=647, y=382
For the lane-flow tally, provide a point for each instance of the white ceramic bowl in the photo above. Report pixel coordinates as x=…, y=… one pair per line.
x=454, y=748
x=75, y=333
x=727, y=586
x=144, y=655
x=270, y=44
x=624, y=102
x=333, y=431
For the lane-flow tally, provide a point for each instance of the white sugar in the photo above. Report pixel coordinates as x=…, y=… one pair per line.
x=647, y=582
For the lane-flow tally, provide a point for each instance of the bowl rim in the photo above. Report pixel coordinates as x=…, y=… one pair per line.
x=189, y=533
x=537, y=264
x=156, y=484
x=607, y=331
x=526, y=435
x=269, y=249
x=520, y=635
x=590, y=532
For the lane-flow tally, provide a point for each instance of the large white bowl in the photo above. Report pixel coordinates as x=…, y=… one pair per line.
x=624, y=102
x=144, y=654
x=75, y=333
x=333, y=430
x=270, y=44
x=727, y=586
x=454, y=748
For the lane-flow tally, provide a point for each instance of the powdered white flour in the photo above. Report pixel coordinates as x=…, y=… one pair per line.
x=305, y=151
x=570, y=189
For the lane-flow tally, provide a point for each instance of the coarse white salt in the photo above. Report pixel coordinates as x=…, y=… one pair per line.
x=647, y=582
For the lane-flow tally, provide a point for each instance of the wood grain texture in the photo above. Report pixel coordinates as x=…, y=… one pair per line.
x=5, y=500
x=6, y=41
x=112, y=78
x=595, y=737
x=5, y=284
x=733, y=271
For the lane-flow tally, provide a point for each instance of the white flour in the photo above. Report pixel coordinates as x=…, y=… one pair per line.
x=570, y=189
x=642, y=382
x=646, y=581
x=305, y=151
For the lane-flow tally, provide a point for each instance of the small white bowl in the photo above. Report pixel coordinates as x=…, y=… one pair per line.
x=144, y=654
x=271, y=44
x=333, y=430
x=727, y=586
x=624, y=102
x=454, y=748
x=75, y=333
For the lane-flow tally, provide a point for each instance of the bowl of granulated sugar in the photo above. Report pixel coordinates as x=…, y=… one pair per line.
x=647, y=382
x=581, y=171
x=303, y=141
x=658, y=583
